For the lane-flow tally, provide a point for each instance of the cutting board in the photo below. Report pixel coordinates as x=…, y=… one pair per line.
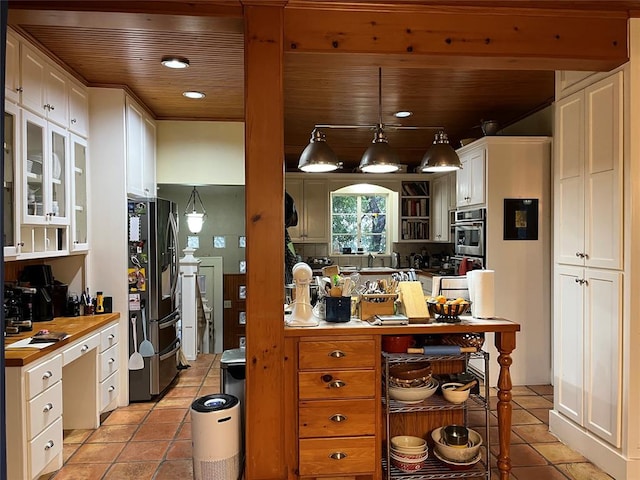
x=412, y=301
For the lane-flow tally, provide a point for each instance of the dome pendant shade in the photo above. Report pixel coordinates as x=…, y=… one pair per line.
x=318, y=156
x=379, y=157
x=195, y=220
x=441, y=157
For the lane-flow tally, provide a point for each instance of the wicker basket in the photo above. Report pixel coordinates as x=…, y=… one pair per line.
x=448, y=312
x=372, y=304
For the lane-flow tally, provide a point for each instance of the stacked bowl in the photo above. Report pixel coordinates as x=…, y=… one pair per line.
x=408, y=453
x=456, y=446
x=411, y=382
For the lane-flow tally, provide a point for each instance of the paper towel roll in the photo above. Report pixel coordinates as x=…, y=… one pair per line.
x=471, y=287
x=483, y=293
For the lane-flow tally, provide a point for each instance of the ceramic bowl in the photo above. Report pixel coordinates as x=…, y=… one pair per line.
x=409, y=457
x=455, y=435
x=458, y=465
x=409, y=443
x=413, y=394
x=408, y=466
x=451, y=395
x=410, y=371
x=457, y=454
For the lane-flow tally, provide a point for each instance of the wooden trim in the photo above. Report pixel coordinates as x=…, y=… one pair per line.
x=264, y=178
x=536, y=39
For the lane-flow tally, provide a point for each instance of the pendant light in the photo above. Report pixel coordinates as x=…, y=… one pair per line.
x=440, y=157
x=379, y=157
x=317, y=156
x=195, y=220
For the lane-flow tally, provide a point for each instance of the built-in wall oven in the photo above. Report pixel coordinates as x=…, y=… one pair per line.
x=469, y=232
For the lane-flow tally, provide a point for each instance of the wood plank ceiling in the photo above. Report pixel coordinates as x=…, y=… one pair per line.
x=124, y=49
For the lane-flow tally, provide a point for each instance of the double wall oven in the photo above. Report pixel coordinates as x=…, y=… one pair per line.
x=469, y=234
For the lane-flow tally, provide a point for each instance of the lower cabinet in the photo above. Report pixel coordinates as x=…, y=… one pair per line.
x=338, y=407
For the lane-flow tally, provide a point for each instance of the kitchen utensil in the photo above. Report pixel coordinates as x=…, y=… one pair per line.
x=459, y=454
x=466, y=386
x=442, y=350
x=451, y=393
x=146, y=347
x=455, y=435
x=136, y=362
x=412, y=301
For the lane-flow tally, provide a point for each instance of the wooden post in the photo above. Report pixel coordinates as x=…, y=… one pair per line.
x=264, y=180
x=505, y=343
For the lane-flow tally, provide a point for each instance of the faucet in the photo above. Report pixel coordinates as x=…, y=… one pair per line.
x=370, y=260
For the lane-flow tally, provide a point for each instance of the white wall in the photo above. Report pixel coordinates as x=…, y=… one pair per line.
x=200, y=153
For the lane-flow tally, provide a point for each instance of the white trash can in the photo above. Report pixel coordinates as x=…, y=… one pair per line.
x=216, y=437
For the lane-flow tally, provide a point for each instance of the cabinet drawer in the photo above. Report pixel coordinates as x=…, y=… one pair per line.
x=45, y=447
x=44, y=409
x=336, y=384
x=333, y=456
x=337, y=354
x=81, y=348
x=108, y=337
x=337, y=418
x=109, y=390
x=39, y=378
x=109, y=362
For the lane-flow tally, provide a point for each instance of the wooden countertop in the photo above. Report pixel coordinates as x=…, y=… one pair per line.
x=76, y=327
x=358, y=327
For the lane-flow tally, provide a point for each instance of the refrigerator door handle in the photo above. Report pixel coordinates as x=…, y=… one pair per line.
x=175, y=261
x=169, y=320
x=174, y=349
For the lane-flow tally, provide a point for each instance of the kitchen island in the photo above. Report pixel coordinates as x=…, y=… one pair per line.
x=333, y=377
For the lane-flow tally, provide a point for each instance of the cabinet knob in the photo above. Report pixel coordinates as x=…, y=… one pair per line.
x=578, y=254
x=337, y=354
x=47, y=408
x=84, y=348
x=111, y=360
x=51, y=107
x=74, y=121
x=111, y=336
x=49, y=445
x=338, y=455
x=338, y=417
x=337, y=384
x=19, y=90
x=47, y=374
x=111, y=389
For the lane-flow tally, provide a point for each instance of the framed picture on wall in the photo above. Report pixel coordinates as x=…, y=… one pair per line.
x=520, y=219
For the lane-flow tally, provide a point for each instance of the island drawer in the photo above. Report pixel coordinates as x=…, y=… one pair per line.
x=337, y=418
x=39, y=378
x=337, y=456
x=339, y=353
x=337, y=384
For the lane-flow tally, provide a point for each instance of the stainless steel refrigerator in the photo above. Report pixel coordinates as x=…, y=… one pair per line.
x=154, y=343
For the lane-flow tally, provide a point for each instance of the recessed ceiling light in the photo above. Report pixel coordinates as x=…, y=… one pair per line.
x=403, y=114
x=175, y=62
x=194, y=94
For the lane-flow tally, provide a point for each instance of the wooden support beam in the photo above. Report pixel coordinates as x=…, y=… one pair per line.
x=264, y=178
x=468, y=37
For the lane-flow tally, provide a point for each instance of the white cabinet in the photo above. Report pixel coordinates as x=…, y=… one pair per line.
x=43, y=86
x=311, y=198
x=78, y=109
x=588, y=342
x=12, y=68
x=79, y=197
x=588, y=172
x=141, y=151
x=440, y=210
x=10, y=194
x=470, y=180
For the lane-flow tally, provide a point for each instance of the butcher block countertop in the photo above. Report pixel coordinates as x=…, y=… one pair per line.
x=355, y=326
x=75, y=327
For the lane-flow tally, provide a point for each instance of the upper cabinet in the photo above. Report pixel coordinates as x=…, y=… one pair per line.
x=141, y=151
x=12, y=68
x=588, y=175
x=78, y=109
x=79, y=197
x=11, y=148
x=311, y=199
x=470, y=180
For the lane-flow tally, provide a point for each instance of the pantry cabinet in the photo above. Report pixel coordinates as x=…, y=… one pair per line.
x=588, y=172
x=470, y=179
x=440, y=209
x=588, y=340
x=311, y=198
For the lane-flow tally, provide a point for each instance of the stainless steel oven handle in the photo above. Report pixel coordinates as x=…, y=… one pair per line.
x=172, y=352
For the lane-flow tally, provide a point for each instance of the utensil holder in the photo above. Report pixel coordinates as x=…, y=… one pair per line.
x=338, y=309
x=372, y=304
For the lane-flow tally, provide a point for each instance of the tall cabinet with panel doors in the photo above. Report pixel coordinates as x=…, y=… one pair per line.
x=442, y=191
x=470, y=179
x=589, y=268
x=141, y=151
x=311, y=197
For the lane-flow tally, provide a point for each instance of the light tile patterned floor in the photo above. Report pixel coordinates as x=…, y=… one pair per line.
x=152, y=441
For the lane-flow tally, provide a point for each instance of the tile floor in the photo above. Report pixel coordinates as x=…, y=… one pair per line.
x=152, y=441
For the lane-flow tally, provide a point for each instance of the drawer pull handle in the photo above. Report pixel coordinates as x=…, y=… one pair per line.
x=337, y=354
x=47, y=374
x=47, y=408
x=49, y=445
x=338, y=417
x=84, y=348
x=338, y=455
x=111, y=336
x=337, y=384
x=111, y=360
x=111, y=389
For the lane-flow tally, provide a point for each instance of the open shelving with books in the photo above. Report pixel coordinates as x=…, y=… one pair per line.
x=414, y=211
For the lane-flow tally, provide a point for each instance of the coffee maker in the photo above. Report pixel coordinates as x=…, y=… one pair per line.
x=18, y=309
x=40, y=278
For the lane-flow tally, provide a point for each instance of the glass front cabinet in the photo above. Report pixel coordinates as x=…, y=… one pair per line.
x=79, y=228
x=10, y=148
